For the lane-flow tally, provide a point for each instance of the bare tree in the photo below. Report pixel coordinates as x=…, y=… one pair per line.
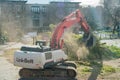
x=112, y=15
x=89, y=16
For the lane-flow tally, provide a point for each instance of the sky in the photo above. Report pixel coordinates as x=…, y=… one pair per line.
x=84, y=2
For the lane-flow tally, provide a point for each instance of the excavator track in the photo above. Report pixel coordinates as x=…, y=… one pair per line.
x=56, y=71
x=70, y=64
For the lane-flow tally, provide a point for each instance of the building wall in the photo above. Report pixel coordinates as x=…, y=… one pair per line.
x=35, y=16
x=40, y=16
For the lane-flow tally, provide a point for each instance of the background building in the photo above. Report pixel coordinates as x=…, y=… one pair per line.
x=35, y=16
x=40, y=16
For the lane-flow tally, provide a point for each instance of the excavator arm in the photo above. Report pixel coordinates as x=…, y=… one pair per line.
x=68, y=21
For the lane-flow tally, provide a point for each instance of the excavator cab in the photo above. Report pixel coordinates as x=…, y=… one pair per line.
x=41, y=43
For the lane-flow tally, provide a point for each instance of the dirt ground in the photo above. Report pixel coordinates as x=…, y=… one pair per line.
x=95, y=73
x=7, y=70
x=10, y=72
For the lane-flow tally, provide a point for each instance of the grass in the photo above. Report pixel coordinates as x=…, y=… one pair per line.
x=115, y=50
x=86, y=69
x=108, y=69
x=94, y=62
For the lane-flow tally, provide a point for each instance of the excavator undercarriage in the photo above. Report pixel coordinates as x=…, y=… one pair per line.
x=66, y=69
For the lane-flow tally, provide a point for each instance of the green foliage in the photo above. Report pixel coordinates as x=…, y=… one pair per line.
x=85, y=63
x=3, y=38
x=72, y=56
x=52, y=27
x=107, y=69
x=115, y=51
x=77, y=36
x=49, y=33
x=101, y=51
x=86, y=69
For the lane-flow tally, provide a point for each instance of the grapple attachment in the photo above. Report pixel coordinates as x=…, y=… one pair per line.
x=89, y=39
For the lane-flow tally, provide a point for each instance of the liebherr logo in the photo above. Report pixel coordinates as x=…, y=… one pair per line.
x=24, y=60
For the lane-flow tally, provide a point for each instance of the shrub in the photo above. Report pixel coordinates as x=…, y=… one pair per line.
x=101, y=51
x=73, y=47
x=96, y=51
x=3, y=38
x=70, y=46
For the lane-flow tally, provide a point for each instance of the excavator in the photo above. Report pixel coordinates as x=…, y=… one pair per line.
x=51, y=61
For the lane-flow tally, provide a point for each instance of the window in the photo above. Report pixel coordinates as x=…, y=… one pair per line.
x=43, y=9
x=0, y=10
x=35, y=9
x=48, y=55
x=36, y=22
x=35, y=16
